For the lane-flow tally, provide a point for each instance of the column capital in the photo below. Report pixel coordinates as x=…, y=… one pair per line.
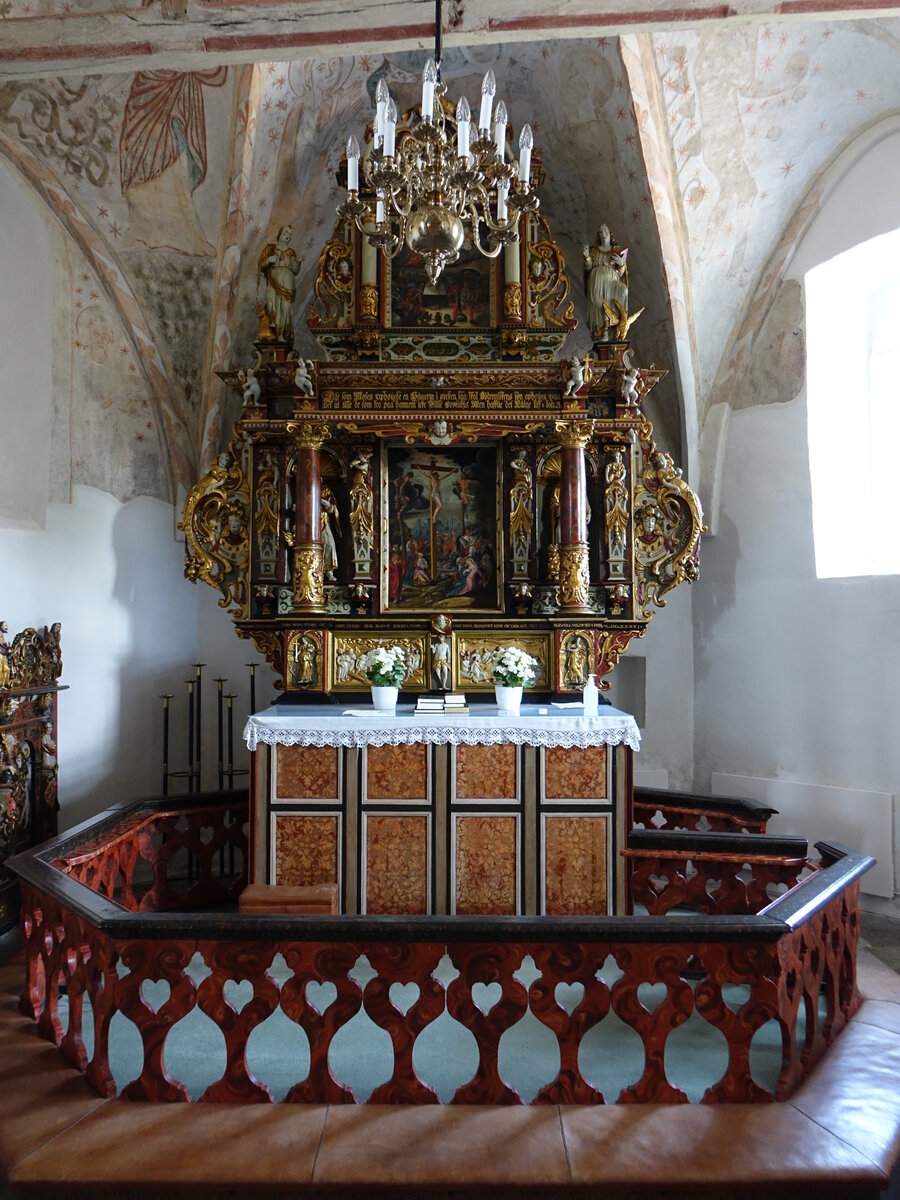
x=574, y=434
x=309, y=435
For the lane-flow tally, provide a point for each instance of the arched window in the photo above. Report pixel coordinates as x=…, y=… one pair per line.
x=853, y=403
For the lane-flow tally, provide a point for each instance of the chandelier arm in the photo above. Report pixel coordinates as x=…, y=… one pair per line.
x=488, y=250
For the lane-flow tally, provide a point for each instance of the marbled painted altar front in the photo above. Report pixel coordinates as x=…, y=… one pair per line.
x=470, y=816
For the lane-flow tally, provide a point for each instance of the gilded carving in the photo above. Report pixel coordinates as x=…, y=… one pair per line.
x=362, y=512
x=610, y=646
x=368, y=302
x=574, y=434
x=309, y=575
x=473, y=657
x=309, y=435
x=574, y=576
x=617, y=515
x=668, y=525
x=521, y=513
x=548, y=283
x=575, y=659
x=32, y=659
x=333, y=286
x=215, y=523
x=512, y=302
x=304, y=660
x=266, y=512
x=348, y=667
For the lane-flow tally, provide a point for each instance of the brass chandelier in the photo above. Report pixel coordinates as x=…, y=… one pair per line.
x=441, y=174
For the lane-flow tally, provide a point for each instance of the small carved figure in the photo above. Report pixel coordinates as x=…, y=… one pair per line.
x=440, y=661
x=4, y=656
x=328, y=513
x=250, y=385
x=521, y=505
x=576, y=659
x=279, y=266
x=305, y=658
x=361, y=508
x=607, y=281
x=303, y=376
x=616, y=506
x=630, y=381
x=439, y=434
x=576, y=377
x=346, y=660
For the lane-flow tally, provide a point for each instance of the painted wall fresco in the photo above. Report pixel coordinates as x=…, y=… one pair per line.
x=698, y=146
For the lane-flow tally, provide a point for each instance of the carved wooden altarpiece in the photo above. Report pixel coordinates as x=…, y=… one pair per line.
x=442, y=477
x=29, y=669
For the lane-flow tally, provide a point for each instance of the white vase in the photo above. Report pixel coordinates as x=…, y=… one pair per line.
x=384, y=699
x=508, y=699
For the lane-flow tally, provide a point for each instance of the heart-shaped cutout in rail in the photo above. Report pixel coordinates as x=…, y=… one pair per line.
x=237, y=994
x=486, y=995
x=320, y=995
x=154, y=993
x=403, y=996
x=651, y=995
x=568, y=995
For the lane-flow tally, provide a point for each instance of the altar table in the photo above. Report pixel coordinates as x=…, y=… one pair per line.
x=444, y=814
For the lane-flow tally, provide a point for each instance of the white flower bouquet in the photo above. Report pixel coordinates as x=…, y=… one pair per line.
x=512, y=667
x=386, y=666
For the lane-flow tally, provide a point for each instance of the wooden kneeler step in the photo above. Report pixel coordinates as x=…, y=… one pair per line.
x=320, y=899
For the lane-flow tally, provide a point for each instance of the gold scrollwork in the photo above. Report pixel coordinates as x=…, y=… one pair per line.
x=309, y=575
x=333, y=287
x=32, y=659
x=348, y=668
x=215, y=521
x=574, y=576
x=668, y=526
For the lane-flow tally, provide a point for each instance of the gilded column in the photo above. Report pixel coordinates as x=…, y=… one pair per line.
x=574, y=564
x=512, y=281
x=309, y=577
x=368, y=284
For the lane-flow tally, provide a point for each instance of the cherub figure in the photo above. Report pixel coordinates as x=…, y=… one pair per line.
x=250, y=385
x=303, y=376
x=579, y=375
x=631, y=394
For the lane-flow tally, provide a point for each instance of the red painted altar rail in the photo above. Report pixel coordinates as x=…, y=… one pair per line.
x=655, y=808
x=796, y=954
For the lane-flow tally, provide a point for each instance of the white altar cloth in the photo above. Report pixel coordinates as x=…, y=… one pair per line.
x=537, y=725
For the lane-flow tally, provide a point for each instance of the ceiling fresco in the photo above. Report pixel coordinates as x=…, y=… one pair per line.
x=700, y=146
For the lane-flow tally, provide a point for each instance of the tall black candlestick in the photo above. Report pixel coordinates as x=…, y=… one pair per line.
x=252, y=667
x=198, y=746
x=220, y=728
x=166, y=697
x=190, y=753
x=229, y=697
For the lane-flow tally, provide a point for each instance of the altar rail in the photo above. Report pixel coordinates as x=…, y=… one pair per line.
x=793, y=959
x=659, y=809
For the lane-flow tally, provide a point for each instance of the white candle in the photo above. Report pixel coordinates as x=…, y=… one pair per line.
x=429, y=79
x=500, y=119
x=463, y=118
x=502, y=193
x=390, y=130
x=488, y=90
x=526, y=141
x=382, y=97
x=352, y=164
x=379, y=209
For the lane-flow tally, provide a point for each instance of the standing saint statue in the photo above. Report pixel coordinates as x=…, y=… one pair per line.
x=328, y=512
x=279, y=266
x=607, y=284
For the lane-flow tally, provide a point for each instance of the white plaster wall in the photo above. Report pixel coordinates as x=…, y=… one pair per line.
x=132, y=625
x=25, y=364
x=796, y=678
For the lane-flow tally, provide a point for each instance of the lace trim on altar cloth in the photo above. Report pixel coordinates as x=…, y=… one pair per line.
x=315, y=728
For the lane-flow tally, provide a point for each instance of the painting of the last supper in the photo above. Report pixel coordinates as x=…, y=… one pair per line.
x=440, y=511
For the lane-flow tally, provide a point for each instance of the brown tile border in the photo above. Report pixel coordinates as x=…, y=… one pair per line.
x=838, y=1135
